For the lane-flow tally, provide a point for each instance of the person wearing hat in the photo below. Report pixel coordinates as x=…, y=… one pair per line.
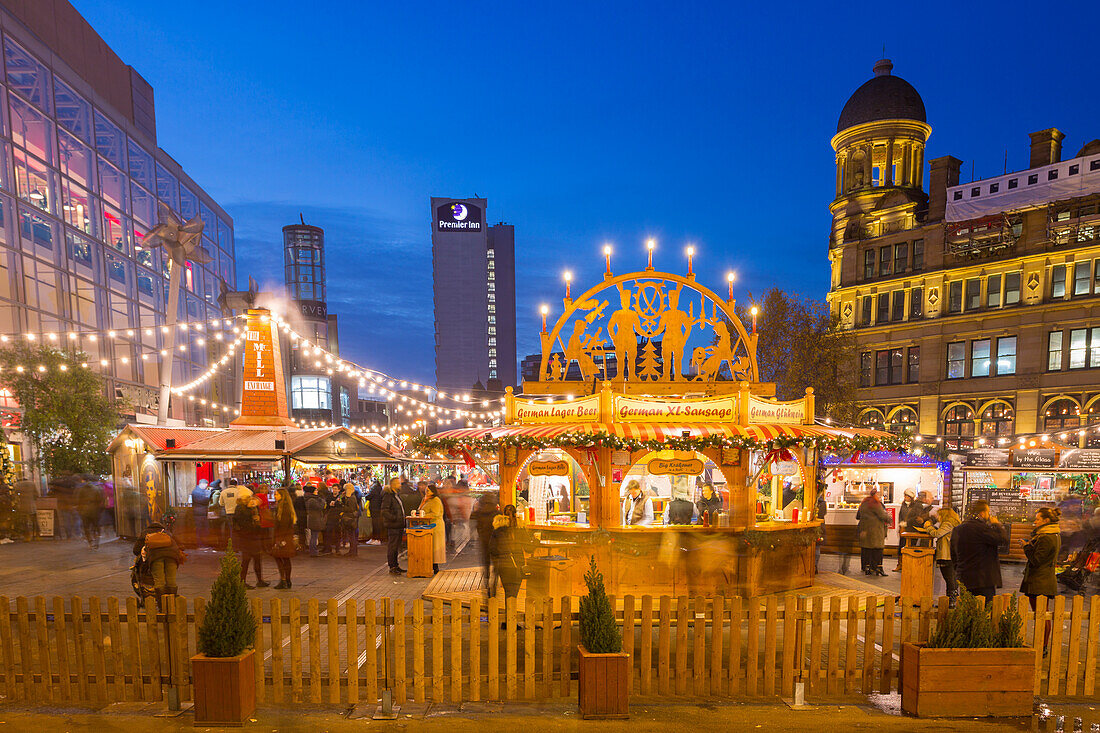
x=910, y=509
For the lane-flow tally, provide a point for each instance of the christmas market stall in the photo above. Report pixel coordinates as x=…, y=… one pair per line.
x=669, y=477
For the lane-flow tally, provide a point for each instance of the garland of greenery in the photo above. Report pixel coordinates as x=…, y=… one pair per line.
x=427, y=444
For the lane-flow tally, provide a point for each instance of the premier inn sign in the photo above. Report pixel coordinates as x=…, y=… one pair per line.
x=456, y=216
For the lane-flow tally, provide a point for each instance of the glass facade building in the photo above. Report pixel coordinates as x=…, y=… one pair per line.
x=81, y=183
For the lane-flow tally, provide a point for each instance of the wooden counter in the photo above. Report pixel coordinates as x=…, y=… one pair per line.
x=686, y=559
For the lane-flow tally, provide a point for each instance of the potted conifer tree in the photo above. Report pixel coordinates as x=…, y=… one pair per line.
x=970, y=666
x=223, y=670
x=604, y=669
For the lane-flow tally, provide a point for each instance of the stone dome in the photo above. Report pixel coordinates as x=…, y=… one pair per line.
x=883, y=97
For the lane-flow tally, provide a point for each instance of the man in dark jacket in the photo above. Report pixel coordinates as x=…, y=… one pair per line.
x=374, y=504
x=909, y=507
x=393, y=519
x=974, y=546
x=315, y=516
x=487, y=507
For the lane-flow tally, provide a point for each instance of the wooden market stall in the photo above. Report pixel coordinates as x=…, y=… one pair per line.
x=587, y=428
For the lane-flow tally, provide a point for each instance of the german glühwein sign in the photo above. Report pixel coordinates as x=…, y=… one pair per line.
x=776, y=413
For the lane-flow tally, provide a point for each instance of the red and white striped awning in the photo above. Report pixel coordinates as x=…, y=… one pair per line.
x=656, y=431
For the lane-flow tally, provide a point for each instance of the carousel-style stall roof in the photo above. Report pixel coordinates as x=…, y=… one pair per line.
x=307, y=445
x=647, y=436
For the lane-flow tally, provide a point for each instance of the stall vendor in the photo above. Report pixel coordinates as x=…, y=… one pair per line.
x=637, y=506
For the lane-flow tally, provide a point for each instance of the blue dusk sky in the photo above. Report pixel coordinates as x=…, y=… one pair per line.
x=581, y=123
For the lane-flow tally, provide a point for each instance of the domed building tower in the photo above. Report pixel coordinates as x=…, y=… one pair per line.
x=879, y=146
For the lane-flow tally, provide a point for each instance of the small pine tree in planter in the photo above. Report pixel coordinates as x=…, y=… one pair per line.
x=604, y=669
x=970, y=666
x=223, y=670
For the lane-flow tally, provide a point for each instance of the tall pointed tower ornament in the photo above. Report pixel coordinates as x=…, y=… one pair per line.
x=181, y=243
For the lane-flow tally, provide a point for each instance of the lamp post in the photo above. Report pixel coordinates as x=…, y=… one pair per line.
x=181, y=242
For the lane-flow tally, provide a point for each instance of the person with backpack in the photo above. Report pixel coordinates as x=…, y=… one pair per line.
x=160, y=551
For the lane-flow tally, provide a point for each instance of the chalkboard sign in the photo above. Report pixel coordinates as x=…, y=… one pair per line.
x=1001, y=500
x=1033, y=458
x=1081, y=459
x=987, y=458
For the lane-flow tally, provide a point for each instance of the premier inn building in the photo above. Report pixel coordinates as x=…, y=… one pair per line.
x=474, y=277
x=975, y=305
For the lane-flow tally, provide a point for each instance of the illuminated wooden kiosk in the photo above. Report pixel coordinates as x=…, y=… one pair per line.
x=594, y=424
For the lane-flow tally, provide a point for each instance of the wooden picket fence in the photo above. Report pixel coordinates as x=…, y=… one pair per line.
x=88, y=652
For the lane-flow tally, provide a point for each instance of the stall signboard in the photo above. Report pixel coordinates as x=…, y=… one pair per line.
x=776, y=413
x=45, y=519
x=988, y=458
x=786, y=468
x=584, y=409
x=675, y=466
x=685, y=412
x=548, y=468
x=1033, y=458
x=1081, y=459
x=263, y=398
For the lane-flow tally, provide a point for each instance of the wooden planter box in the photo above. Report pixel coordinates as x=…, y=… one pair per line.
x=225, y=688
x=603, y=684
x=967, y=683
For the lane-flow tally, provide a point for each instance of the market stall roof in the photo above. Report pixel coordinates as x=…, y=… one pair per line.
x=308, y=445
x=657, y=431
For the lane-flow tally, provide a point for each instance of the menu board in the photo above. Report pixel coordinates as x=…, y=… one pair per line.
x=1033, y=458
x=1002, y=500
x=987, y=458
x=1082, y=459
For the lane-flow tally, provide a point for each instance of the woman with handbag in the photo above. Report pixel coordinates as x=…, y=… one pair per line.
x=283, y=546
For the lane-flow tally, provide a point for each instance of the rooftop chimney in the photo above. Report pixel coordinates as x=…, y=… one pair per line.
x=883, y=67
x=1046, y=147
x=943, y=173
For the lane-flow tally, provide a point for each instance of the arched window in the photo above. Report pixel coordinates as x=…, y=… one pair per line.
x=1092, y=419
x=1060, y=415
x=872, y=419
x=959, y=422
x=998, y=420
x=904, y=420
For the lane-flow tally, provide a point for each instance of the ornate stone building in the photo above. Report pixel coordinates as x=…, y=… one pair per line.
x=975, y=305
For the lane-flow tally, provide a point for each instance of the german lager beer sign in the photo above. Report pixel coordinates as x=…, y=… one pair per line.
x=585, y=409
x=548, y=468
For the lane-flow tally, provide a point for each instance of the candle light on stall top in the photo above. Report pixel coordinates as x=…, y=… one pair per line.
x=730, y=277
x=754, y=310
x=650, y=244
x=544, y=310
x=691, y=255
x=568, y=282
x=607, y=259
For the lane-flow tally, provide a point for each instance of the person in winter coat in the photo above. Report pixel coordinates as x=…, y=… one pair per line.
x=298, y=500
x=315, y=517
x=432, y=507
x=637, y=506
x=974, y=546
x=162, y=553
x=941, y=533
x=89, y=503
x=710, y=502
x=233, y=495
x=872, y=522
x=374, y=505
x=330, y=539
x=1041, y=550
x=487, y=508
x=410, y=497
x=680, y=510
x=200, y=505
x=283, y=546
x=349, y=509
x=506, y=552
x=393, y=519
x=248, y=539
x=905, y=509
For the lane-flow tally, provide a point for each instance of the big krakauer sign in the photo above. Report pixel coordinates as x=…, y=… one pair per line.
x=776, y=413
x=457, y=216
x=585, y=409
x=675, y=466
x=719, y=409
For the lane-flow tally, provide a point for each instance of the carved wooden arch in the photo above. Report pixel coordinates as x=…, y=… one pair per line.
x=726, y=307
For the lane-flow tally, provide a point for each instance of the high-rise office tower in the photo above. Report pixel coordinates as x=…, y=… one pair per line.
x=474, y=276
x=316, y=394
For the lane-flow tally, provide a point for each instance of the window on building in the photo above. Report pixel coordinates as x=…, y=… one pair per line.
x=1054, y=351
x=868, y=263
x=884, y=260
x=904, y=420
x=1052, y=175
x=868, y=305
x=994, y=187
x=310, y=393
x=1033, y=179
x=1082, y=278
x=973, y=294
x=882, y=367
x=979, y=358
x=997, y=421
x=914, y=365
x=956, y=360
x=27, y=75
x=1012, y=288
x=959, y=422
x=901, y=257
x=1094, y=347
x=918, y=254
x=872, y=419
x=916, y=303
x=1013, y=182
x=866, y=369
x=955, y=297
x=1006, y=355
x=898, y=307
x=883, y=312
x=1058, y=281
x=1078, y=348
x=958, y=195
x=1061, y=415
x=993, y=291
